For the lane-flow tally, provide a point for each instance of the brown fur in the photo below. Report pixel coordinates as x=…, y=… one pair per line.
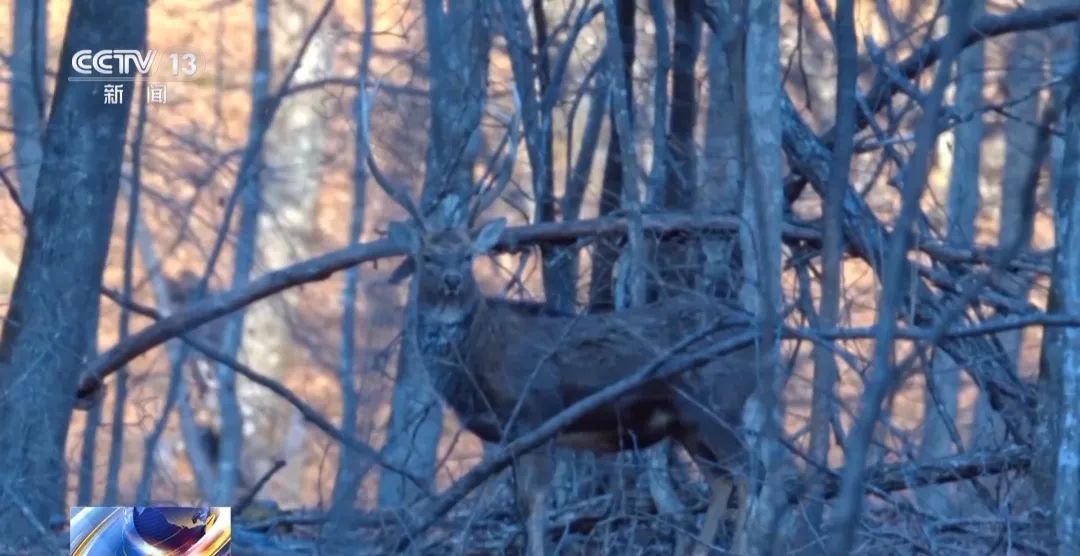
x=505, y=369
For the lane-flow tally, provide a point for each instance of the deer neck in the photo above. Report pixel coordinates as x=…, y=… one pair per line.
x=440, y=327
x=444, y=334
x=451, y=350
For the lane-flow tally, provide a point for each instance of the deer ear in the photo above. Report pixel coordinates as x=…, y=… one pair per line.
x=404, y=236
x=489, y=235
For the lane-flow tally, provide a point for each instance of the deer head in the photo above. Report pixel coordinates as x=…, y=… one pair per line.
x=442, y=261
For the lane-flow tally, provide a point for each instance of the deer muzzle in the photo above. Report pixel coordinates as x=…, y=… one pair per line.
x=452, y=283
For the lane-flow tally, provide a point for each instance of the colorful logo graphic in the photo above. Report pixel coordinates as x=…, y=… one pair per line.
x=150, y=530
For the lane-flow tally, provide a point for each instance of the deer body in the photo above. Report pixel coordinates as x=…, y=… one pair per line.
x=505, y=370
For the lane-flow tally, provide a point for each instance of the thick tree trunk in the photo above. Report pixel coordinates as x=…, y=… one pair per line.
x=1047, y=433
x=285, y=224
x=722, y=186
x=48, y=325
x=459, y=69
x=676, y=260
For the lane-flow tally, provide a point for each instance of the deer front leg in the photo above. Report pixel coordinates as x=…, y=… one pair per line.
x=720, y=487
x=532, y=479
x=739, y=543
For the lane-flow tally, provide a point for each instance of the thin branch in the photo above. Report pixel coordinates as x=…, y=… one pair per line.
x=306, y=411
x=983, y=28
x=849, y=506
x=248, y=498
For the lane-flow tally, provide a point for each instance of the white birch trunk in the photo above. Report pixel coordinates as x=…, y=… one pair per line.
x=285, y=225
x=761, y=246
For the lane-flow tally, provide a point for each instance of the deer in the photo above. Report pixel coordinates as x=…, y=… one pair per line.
x=504, y=370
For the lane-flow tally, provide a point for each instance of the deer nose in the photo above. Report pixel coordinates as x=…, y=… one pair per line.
x=452, y=280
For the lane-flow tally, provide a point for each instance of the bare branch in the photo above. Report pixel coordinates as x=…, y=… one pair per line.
x=397, y=192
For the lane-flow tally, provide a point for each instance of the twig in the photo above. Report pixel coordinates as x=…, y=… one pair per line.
x=248, y=498
x=310, y=414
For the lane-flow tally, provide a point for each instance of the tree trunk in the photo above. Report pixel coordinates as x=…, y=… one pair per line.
x=347, y=480
x=230, y=441
x=676, y=259
x=761, y=243
x=1066, y=278
x=28, y=50
x=458, y=73
x=284, y=228
x=601, y=295
x=1049, y=381
x=1022, y=75
x=722, y=187
x=825, y=367
x=943, y=380
x=48, y=327
x=531, y=80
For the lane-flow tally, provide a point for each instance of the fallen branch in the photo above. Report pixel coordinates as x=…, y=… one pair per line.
x=902, y=476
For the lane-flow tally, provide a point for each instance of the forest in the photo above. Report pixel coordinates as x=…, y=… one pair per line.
x=544, y=277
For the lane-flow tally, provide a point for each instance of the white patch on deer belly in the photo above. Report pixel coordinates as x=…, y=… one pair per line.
x=659, y=422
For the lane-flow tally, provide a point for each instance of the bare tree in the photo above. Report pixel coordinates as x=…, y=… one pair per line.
x=760, y=242
x=285, y=227
x=604, y=253
x=884, y=378
x=723, y=181
x=458, y=69
x=825, y=367
x=347, y=480
x=27, y=101
x=1067, y=280
x=56, y=291
x=247, y=192
x=940, y=433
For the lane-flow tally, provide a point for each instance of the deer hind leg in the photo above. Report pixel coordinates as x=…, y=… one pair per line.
x=532, y=479
x=717, y=451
